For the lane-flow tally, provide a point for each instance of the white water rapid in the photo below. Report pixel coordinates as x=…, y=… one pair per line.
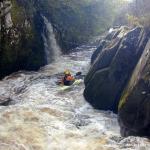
x=52, y=49
x=41, y=117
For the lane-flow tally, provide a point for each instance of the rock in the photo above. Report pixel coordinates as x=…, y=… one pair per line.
x=110, y=36
x=134, y=107
x=21, y=46
x=5, y=13
x=4, y=101
x=112, y=68
x=98, y=50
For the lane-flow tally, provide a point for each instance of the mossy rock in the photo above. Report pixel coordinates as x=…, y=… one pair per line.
x=119, y=59
x=134, y=107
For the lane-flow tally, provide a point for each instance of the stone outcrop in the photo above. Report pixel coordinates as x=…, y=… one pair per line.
x=119, y=79
x=134, y=107
x=112, y=66
x=21, y=45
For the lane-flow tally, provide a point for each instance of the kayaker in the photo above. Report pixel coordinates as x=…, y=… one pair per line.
x=68, y=79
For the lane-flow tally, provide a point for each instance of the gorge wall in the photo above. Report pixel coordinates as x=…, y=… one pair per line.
x=21, y=45
x=118, y=79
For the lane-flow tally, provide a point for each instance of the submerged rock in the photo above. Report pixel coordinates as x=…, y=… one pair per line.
x=4, y=100
x=113, y=67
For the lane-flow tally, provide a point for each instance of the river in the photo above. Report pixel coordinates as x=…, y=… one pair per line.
x=40, y=116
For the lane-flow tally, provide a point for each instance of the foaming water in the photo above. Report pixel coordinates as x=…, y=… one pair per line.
x=42, y=117
x=52, y=49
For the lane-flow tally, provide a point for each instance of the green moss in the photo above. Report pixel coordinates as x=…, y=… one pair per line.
x=123, y=100
x=22, y=46
x=17, y=13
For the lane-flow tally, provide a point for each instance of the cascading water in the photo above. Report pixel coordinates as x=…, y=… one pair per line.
x=42, y=117
x=52, y=49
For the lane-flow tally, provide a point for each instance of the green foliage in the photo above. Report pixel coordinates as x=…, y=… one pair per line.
x=133, y=20
x=139, y=13
x=79, y=20
x=17, y=13
x=145, y=20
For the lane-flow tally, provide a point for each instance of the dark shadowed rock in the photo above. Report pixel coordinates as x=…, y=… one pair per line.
x=112, y=68
x=103, y=44
x=107, y=41
x=4, y=101
x=134, y=107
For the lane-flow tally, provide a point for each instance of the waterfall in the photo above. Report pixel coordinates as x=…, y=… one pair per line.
x=52, y=49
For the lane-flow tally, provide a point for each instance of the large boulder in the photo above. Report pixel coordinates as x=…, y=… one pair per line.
x=107, y=41
x=103, y=44
x=113, y=67
x=134, y=107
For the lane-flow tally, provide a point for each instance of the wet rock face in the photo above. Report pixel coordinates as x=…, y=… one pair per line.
x=21, y=45
x=103, y=44
x=113, y=67
x=134, y=108
x=5, y=7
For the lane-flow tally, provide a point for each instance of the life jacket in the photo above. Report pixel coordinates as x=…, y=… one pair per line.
x=68, y=80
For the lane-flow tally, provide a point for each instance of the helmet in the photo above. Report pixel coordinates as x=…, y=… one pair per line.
x=67, y=72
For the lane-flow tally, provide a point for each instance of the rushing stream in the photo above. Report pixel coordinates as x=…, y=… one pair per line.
x=42, y=117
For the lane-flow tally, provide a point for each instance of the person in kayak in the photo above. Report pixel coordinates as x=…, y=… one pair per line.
x=68, y=78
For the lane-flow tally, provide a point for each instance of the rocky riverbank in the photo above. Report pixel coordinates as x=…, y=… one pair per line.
x=119, y=78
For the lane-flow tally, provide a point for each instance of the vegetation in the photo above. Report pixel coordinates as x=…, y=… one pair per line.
x=78, y=21
x=138, y=13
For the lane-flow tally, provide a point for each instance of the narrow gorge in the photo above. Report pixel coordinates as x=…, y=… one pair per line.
x=105, y=47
